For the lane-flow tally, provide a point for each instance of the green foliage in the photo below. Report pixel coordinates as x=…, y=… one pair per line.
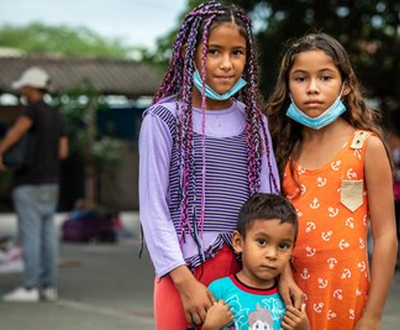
x=38, y=38
x=79, y=106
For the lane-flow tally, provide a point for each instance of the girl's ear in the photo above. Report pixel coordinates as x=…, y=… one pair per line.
x=237, y=242
x=346, y=89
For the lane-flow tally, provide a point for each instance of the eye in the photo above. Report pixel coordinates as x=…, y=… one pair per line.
x=213, y=51
x=326, y=78
x=238, y=52
x=299, y=79
x=284, y=246
x=261, y=242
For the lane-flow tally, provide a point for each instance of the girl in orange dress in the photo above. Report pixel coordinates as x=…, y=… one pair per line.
x=336, y=170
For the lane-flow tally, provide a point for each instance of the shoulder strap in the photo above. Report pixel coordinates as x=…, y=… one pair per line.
x=359, y=138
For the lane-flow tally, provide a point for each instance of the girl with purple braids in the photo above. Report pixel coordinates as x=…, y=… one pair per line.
x=204, y=150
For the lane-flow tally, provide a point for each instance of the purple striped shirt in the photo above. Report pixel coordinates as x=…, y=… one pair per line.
x=226, y=183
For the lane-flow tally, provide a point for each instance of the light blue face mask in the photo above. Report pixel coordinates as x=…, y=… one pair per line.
x=327, y=117
x=211, y=94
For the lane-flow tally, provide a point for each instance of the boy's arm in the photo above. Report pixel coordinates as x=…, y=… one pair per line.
x=295, y=319
x=218, y=316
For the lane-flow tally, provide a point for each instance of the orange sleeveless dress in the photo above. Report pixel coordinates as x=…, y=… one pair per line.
x=330, y=256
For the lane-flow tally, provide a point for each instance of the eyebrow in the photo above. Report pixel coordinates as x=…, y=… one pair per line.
x=306, y=71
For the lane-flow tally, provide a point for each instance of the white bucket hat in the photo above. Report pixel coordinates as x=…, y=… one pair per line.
x=34, y=77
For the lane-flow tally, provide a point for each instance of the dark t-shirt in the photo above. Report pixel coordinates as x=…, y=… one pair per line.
x=47, y=129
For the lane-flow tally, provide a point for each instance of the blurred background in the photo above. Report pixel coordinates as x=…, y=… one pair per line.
x=107, y=59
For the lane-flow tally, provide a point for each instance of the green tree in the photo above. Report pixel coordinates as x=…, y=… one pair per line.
x=38, y=38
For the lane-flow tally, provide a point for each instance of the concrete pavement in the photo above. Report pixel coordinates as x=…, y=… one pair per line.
x=107, y=286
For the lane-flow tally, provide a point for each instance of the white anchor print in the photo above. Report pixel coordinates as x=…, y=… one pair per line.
x=351, y=174
x=346, y=273
x=305, y=275
x=335, y=165
x=362, y=265
x=362, y=244
x=365, y=220
x=321, y=182
x=303, y=189
x=331, y=262
x=358, y=292
x=333, y=212
x=318, y=307
x=300, y=170
x=315, y=204
x=357, y=153
x=338, y=294
x=326, y=236
x=322, y=284
x=352, y=314
x=311, y=251
x=299, y=213
x=350, y=223
x=310, y=226
x=343, y=244
x=331, y=315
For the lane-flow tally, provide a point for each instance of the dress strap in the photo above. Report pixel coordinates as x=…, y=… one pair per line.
x=358, y=139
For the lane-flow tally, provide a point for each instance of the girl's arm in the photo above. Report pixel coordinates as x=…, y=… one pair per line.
x=288, y=289
x=155, y=146
x=379, y=185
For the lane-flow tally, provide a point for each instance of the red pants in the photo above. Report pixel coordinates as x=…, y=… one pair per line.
x=168, y=310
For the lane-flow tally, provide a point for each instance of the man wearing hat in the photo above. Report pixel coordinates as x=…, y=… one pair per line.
x=35, y=193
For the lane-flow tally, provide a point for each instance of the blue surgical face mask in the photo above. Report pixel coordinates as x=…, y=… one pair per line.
x=211, y=94
x=327, y=117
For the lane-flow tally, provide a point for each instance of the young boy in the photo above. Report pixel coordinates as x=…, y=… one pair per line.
x=265, y=235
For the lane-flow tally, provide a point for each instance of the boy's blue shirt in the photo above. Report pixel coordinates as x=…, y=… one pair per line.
x=252, y=308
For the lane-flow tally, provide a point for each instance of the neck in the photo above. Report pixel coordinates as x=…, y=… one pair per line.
x=210, y=104
x=339, y=126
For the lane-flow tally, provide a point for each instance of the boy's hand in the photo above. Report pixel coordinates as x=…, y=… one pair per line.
x=295, y=319
x=218, y=316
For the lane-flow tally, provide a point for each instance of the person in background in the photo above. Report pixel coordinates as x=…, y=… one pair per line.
x=264, y=238
x=336, y=171
x=35, y=193
x=204, y=149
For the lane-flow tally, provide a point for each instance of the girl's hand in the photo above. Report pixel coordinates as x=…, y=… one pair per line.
x=218, y=316
x=365, y=323
x=295, y=319
x=290, y=292
x=196, y=298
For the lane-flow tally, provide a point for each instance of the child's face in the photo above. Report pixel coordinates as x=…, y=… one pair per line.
x=265, y=250
x=225, y=60
x=314, y=82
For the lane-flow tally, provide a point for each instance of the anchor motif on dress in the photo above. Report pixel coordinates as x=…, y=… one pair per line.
x=326, y=236
x=300, y=170
x=343, y=244
x=310, y=226
x=311, y=251
x=338, y=294
x=318, y=307
x=365, y=219
x=321, y=182
x=303, y=189
x=358, y=292
x=346, y=273
x=331, y=315
x=351, y=174
x=335, y=165
x=357, y=153
x=299, y=213
x=305, y=275
x=362, y=244
x=332, y=262
x=322, y=283
x=362, y=265
x=333, y=212
x=314, y=205
x=350, y=223
x=352, y=314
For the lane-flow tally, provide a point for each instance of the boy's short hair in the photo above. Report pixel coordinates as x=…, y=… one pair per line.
x=266, y=207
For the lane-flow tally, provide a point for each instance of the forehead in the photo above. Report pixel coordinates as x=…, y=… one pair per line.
x=273, y=227
x=312, y=60
x=227, y=33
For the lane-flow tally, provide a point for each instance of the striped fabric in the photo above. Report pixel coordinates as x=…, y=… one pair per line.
x=226, y=185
